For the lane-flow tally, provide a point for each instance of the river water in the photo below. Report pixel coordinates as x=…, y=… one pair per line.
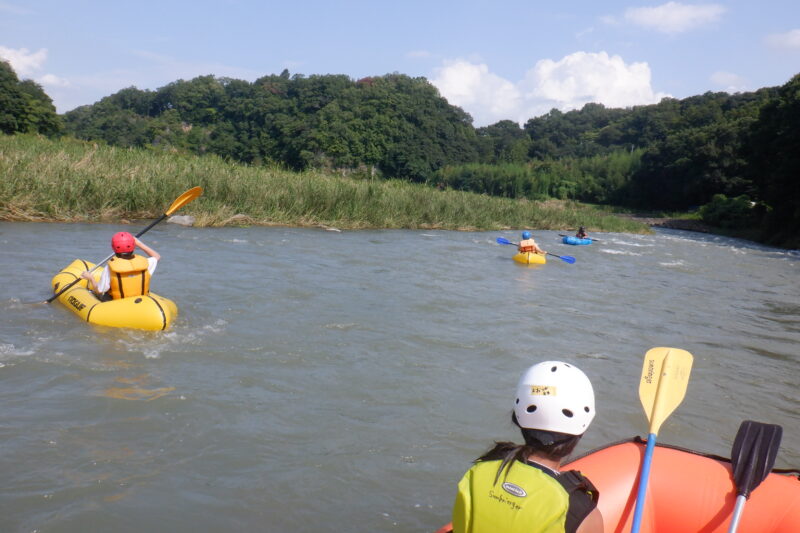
x=343, y=381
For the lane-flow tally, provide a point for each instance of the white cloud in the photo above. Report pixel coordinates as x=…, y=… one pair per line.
x=789, y=39
x=611, y=20
x=567, y=84
x=674, y=17
x=51, y=80
x=24, y=62
x=731, y=83
x=485, y=96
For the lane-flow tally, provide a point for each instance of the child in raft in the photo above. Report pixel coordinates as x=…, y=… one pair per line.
x=527, y=244
x=126, y=274
x=520, y=488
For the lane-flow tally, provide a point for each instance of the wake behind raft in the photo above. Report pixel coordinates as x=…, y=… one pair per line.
x=151, y=312
x=688, y=492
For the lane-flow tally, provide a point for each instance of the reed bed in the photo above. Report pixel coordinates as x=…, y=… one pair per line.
x=71, y=180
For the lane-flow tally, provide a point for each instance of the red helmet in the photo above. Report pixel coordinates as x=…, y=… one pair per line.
x=123, y=242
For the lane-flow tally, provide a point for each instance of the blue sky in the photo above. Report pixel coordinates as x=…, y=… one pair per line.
x=495, y=59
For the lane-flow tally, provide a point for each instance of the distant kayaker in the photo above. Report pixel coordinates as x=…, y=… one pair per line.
x=582, y=233
x=527, y=244
x=126, y=274
x=519, y=487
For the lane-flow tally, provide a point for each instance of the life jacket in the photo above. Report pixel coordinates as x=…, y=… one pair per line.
x=524, y=499
x=129, y=277
x=528, y=245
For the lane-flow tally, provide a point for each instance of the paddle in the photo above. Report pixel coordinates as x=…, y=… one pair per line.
x=665, y=375
x=179, y=202
x=566, y=258
x=590, y=238
x=752, y=458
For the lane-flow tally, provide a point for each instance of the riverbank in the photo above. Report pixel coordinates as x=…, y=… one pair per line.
x=74, y=181
x=685, y=224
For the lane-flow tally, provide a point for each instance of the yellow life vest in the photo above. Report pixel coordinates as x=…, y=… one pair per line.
x=528, y=245
x=523, y=500
x=129, y=277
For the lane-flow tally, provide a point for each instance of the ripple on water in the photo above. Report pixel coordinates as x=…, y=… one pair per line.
x=612, y=251
x=307, y=368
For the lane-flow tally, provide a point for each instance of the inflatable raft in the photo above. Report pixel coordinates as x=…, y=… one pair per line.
x=151, y=312
x=530, y=258
x=575, y=240
x=687, y=492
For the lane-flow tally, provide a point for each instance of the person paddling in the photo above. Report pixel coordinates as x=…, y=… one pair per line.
x=126, y=274
x=527, y=244
x=520, y=488
x=581, y=234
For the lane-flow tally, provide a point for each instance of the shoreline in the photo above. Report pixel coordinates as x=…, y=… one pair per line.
x=671, y=223
x=246, y=221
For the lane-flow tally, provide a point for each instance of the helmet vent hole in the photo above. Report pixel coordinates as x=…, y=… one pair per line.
x=567, y=413
x=531, y=408
x=553, y=369
x=517, y=402
x=586, y=409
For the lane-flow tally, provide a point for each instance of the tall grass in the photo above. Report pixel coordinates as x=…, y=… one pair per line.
x=70, y=180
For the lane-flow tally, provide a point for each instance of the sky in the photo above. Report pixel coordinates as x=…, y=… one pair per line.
x=497, y=60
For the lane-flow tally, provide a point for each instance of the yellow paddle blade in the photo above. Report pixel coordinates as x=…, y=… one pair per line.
x=184, y=199
x=665, y=375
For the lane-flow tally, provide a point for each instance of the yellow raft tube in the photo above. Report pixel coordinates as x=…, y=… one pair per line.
x=530, y=258
x=151, y=312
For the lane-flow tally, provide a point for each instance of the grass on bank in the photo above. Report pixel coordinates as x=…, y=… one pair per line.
x=68, y=180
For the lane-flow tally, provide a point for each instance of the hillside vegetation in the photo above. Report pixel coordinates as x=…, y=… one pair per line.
x=733, y=159
x=71, y=180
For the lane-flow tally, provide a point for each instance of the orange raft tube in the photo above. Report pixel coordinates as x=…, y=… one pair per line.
x=687, y=492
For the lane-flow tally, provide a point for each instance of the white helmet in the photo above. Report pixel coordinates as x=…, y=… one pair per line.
x=555, y=396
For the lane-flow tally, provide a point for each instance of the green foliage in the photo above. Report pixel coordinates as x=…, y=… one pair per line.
x=773, y=164
x=673, y=155
x=74, y=180
x=24, y=106
x=729, y=213
x=397, y=124
x=503, y=142
x=597, y=179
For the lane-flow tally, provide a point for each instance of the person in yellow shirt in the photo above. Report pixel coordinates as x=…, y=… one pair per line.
x=520, y=488
x=126, y=274
x=527, y=244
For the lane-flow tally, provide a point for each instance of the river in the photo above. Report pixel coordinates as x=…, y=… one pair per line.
x=343, y=381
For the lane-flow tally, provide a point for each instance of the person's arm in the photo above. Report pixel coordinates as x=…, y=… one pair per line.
x=88, y=276
x=593, y=523
x=101, y=286
x=146, y=249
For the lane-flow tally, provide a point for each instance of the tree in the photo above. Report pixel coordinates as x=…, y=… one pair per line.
x=24, y=106
x=773, y=155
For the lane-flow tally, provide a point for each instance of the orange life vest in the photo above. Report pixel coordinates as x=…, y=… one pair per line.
x=528, y=245
x=129, y=277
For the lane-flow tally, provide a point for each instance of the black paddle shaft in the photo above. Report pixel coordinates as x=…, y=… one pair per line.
x=753, y=454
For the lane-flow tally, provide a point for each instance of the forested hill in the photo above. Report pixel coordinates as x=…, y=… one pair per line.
x=737, y=157
x=394, y=124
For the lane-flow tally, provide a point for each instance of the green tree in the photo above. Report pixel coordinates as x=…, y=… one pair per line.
x=24, y=106
x=773, y=155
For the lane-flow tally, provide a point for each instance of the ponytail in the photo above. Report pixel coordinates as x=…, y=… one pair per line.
x=548, y=444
